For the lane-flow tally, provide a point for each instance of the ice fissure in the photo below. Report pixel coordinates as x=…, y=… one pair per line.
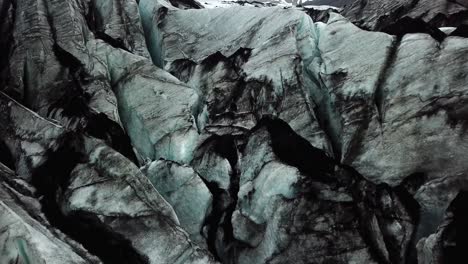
x=308, y=37
x=379, y=93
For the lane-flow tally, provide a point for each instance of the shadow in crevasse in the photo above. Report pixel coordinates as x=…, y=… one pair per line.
x=50, y=179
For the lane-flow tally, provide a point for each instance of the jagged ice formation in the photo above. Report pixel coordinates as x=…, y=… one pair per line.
x=161, y=132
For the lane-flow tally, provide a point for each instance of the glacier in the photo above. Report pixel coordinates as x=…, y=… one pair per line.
x=157, y=131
